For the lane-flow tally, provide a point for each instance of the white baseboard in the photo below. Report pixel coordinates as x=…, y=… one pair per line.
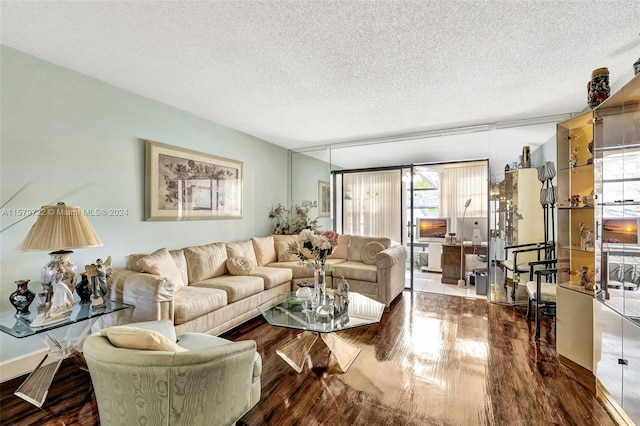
x=19, y=366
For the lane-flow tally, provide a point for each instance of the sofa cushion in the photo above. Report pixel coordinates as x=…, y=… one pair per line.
x=131, y=261
x=370, y=251
x=283, y=254
x=193, y=302
x=122, y=336
x=181, y=263
x=240, y=265
x=298, y=271
x=272, y=277
x=161, y=263
x=237, y=288
x=282, y=248
x=358, y=243
x=242, y=248
x=341, y=251
x=302, y=271
x=356, y=271
x=265, y=250
x=206, y=261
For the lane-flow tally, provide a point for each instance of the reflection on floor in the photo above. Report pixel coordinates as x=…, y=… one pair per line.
x=430, y=282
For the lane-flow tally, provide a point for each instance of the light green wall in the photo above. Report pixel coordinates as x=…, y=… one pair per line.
x=306, y=173
x=62, y=130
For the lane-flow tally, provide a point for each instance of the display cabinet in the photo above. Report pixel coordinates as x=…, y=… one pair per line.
x=520, y=218
x=617, y=251
x=575, y=201
x=520, y=209
x=575, y=244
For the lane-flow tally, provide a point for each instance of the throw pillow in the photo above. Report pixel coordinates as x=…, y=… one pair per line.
x=282, y=250
x=265, y=250
x=206, y=261
x=341, y=251
x=125, y=337
x=181, y=263
x=160, y=262
x=369, y=252
x=358, y=242
x=240, y=265
x=132, y=260
x=241, y=248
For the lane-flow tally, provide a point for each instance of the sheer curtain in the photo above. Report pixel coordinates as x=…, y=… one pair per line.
x=373, y=204
x=457, y=185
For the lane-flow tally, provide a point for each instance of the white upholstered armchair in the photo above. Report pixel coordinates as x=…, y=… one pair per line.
x=214, y=382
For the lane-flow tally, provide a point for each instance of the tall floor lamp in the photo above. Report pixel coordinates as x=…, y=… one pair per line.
x=462, y=282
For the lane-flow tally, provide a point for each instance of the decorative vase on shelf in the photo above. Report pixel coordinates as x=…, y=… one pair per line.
x=22, y=298
x=598, y=87
x=321, y=284
x=636, y=67
x=526, y=157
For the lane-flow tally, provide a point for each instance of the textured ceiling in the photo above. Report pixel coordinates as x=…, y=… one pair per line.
x=306, y=73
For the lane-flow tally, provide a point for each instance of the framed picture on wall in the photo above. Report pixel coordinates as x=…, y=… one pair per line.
x=181, y=184
x=324, y=199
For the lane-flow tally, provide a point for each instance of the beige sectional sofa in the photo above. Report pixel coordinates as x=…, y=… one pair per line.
x=211, y=288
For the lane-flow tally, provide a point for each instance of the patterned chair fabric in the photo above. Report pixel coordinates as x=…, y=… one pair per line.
x=215, y=382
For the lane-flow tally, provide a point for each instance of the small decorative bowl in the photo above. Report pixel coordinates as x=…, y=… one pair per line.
x=324, y=310
x=305, y=293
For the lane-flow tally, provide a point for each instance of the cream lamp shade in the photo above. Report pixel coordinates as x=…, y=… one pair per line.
x=60, y=227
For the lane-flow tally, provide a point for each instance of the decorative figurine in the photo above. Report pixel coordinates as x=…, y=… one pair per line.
x=586, y=237
x=590, y=148
x=586, y=279
x=98, y=273
x=573, y=158
x=84, y=290
x=575, y=201
x=341, y=296
x=62, y=299
x=53, y=302
x=587, y=200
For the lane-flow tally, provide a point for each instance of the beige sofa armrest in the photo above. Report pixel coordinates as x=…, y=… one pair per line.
x=390, y=257
x=390, y=264
x=150, y=295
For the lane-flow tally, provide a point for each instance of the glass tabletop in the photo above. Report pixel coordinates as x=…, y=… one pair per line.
x=288, y=310
x=21, y=327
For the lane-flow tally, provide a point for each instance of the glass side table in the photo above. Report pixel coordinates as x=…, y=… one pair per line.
x=36, y=387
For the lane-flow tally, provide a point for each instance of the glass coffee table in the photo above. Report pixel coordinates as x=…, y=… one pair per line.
x=290, y=311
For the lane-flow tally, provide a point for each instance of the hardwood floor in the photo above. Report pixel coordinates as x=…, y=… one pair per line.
x=432, y=360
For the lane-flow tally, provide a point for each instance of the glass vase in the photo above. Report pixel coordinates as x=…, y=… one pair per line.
x=321, y=284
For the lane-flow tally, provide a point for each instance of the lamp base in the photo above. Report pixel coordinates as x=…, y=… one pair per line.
x=60, y=264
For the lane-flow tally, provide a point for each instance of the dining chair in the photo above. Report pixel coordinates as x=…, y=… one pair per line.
x=541, y=289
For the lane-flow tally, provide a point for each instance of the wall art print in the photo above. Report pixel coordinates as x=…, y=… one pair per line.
x=187, y=185
x=324, y=199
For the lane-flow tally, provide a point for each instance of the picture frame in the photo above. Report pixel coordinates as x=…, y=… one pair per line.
x=324, y=199
x=181, y=184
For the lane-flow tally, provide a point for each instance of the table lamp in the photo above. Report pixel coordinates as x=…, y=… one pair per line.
x=60, y=228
